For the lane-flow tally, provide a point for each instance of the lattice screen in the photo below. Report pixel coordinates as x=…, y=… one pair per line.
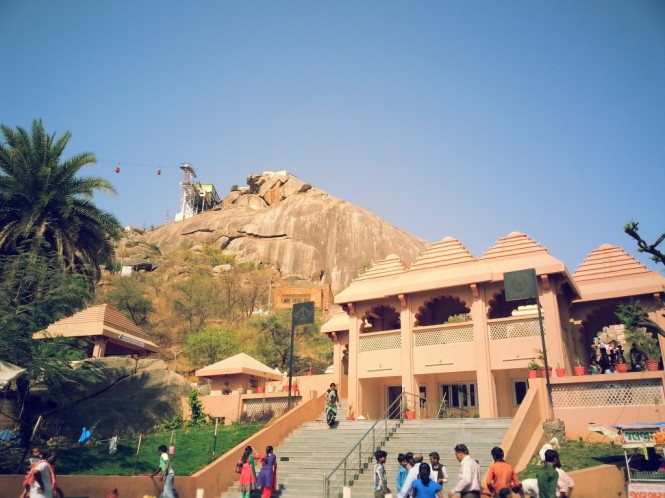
x=445, y=335
x=278, y=405
x=511, y=330
x=380, y=342
x=612, y=393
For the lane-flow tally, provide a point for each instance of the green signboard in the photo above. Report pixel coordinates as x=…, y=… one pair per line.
x=302, y=314
x=520, y=284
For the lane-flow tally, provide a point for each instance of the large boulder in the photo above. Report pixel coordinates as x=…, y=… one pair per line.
x=300, y=230
x=116, y=396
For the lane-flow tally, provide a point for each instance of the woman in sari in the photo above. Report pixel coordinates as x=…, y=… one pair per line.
x=267, y=479
x=331, y=405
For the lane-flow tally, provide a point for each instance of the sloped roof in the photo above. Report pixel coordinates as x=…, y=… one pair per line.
x=239, y=364
x=610, y=272
x=100, y=320
x=373, y=280
x=515, y=244
x=447, y=252
x=338, y=322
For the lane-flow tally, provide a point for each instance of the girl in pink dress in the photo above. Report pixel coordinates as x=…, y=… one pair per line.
x=247, y=477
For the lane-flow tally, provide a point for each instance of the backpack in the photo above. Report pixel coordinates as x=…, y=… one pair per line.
x=239, y=466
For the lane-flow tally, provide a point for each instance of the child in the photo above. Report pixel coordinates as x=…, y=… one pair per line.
x=380, y=480
x=247, y=475
x=547, y=476
x=167, y=471
x=402, y=471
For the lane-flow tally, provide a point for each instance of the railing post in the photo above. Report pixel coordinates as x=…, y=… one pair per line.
x=360, y=456
x=325, y=487
x=373, y=439
x=345, y=481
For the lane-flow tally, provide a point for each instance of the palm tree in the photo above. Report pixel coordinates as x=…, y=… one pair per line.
x=45, y=204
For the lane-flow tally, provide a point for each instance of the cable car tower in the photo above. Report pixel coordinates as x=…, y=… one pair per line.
x=194, y=197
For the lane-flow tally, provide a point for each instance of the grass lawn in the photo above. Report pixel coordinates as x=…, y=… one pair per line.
x=193, y=451
x=576, y=455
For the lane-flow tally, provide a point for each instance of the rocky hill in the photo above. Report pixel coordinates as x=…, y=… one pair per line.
x=300, y=230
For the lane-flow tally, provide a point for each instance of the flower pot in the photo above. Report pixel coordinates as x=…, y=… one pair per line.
x=622, y=367
x=533, y=374
x=579, y=370
x=410, y=414
x=560, y=372
x=241, y=390
x=652, y=365
x=261, y=389
x=541, y=372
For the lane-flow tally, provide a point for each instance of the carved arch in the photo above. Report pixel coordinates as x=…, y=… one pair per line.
x=500, y=308
x=439, y=309
x=380, y=317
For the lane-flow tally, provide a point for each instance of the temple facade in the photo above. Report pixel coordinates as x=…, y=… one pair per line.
x=443, y=328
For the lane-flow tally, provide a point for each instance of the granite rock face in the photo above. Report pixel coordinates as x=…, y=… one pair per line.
x=300, y=230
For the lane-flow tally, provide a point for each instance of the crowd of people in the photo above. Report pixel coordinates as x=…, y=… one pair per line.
x=426, y=480
x=606, y=357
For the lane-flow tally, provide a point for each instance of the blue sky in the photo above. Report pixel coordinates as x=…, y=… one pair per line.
x=465, y=119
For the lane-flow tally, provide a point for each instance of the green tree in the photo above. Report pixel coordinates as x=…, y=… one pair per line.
x=43, y=199
x=196, y=301
x=211, y=345
x=274, y=343
x=129, y=296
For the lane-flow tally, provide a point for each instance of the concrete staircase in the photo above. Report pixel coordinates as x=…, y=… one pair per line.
x=440, y=435
x=310, y=452
x=313, y=450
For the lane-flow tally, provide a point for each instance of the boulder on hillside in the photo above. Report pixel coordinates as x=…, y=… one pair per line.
x=298, y=229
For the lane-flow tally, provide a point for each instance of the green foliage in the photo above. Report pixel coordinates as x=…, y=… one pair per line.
x=199, y=418
x=634, y=316
x=211, y=345
x=234, y=187
x=42, y=198
x=193, y=451
x=129, y=296
x=576, y=455
x=35, y=292
x=196, y=301
x=170, y=424
x=273, y=332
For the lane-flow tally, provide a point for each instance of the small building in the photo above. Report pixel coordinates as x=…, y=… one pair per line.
x=237, y=373
x=111, y=332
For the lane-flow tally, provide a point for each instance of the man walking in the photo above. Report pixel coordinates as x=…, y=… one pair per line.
x=468, y=479
x=547, y=476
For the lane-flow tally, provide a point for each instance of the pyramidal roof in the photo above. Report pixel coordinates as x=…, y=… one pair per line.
x=608, y=261
x=449, y=251
x=102, y=314
x=392, y=265
x=239, y=364
x=609, y=271
x=512, y=245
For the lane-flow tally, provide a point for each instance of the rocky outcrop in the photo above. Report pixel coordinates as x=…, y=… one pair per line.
x=116, y=396
x=300, y=230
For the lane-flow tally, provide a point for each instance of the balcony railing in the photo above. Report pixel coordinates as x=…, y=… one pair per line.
x=378, y=341
x=433, y=335
x=513, y=328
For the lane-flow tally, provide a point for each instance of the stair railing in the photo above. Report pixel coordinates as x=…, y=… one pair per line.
x=359, y=457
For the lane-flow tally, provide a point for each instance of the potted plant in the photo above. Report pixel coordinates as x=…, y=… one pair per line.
x=350, y=414
x=621, y=366
x=560, y=372
x=541, y=367
x=579, y=368
x=647, y=344
x=407, y=409
x=533, y=369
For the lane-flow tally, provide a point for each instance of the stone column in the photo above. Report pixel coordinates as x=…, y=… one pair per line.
x=99, y=348
x=487, y=403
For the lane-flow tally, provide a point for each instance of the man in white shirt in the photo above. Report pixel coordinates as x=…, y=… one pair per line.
x=411, y=476
x=468, y=479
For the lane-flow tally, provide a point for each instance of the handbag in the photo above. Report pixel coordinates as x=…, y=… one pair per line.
x=239, y=466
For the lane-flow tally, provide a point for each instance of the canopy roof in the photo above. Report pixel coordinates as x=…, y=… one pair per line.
x=101, y=320
x=9, y=372
x=239, y=364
